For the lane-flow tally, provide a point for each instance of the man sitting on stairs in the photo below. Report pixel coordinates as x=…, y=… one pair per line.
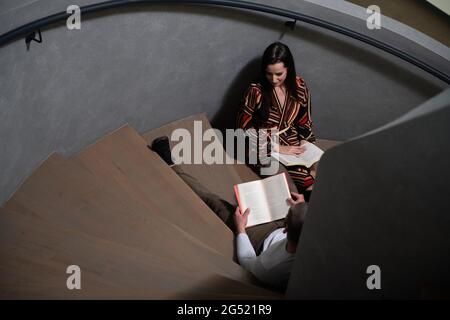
x=267, y=250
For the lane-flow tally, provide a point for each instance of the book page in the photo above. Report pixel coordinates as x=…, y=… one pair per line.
x=251, y=195
x=266, y=199
x=311, y=155
x=277, y=192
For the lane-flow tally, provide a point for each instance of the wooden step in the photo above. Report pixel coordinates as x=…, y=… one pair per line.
x=62, y=191
x=123, y=159
x=70, y=197
x=35, y=254
x=218, y=178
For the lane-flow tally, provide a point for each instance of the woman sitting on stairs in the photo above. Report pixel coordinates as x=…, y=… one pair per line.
x=281, y=100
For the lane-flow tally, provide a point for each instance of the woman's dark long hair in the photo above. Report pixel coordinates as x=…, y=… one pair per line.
x=276, y=52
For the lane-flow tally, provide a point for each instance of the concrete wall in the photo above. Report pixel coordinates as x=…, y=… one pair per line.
x=149, y=65
x=381, y=199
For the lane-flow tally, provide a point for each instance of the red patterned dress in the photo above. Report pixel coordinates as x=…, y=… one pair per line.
x=294, y=115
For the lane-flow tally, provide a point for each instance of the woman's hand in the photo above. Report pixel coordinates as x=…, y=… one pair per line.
x=302, y=142
x=293, y=150
x=240, y=220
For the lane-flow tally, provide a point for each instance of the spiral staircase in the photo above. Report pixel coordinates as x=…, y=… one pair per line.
x=135, y=230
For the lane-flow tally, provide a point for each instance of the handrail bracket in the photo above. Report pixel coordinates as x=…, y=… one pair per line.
x=32, y=37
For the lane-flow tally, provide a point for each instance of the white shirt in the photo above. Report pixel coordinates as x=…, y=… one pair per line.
x=273, y=266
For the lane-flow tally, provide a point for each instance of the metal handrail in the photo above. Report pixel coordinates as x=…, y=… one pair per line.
x=35, y=25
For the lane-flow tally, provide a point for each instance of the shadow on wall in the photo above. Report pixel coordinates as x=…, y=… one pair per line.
x=226, y=116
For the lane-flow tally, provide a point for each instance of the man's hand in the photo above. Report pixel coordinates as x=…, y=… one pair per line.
x=240, y=220
x=296, y=199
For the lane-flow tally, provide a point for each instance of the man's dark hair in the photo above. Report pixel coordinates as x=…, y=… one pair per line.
x=294, y=221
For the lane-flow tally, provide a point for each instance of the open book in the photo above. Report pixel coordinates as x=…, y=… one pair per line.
x=266, y=198
x=310, y=156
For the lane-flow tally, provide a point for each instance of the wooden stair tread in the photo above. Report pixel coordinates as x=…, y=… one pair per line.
x=35, y=254
x=218, y=178
x=66, y=194
x=123, y=158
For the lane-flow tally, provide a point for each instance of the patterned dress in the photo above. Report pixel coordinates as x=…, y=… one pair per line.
x=294, y=115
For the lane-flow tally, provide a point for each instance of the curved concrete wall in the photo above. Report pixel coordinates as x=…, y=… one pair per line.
x=381, y=199
x=148, y=65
